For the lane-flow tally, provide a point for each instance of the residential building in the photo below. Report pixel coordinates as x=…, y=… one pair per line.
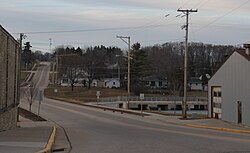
x=154, y=82
x=228, y=89
x=111, y=83
x=195, y=83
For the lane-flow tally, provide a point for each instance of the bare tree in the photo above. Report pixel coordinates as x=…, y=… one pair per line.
x=30, y=93
x=72, y=75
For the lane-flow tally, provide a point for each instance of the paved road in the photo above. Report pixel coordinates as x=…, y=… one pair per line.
x=93, y=131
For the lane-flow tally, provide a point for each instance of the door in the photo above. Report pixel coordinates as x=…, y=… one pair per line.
x=216, y=102
x=239, y=106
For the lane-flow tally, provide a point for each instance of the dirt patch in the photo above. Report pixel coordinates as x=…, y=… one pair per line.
x=29, y=115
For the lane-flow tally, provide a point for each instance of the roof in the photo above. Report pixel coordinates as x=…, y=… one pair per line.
x=154, y=78
x=8, y=34
x=194, y=80
x=110, y=79
x=242, y=52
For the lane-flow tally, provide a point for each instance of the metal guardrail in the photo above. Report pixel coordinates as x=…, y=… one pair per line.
x=137, y=98
x=125, y=111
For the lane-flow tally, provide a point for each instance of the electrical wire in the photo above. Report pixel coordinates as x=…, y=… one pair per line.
x=222, y=16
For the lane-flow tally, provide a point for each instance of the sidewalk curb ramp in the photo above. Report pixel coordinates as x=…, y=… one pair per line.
x=48, y=148
x=218, y=128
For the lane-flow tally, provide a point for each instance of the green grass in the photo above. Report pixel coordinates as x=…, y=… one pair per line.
x=82, y=94
x=24, y=75
x=197, y=94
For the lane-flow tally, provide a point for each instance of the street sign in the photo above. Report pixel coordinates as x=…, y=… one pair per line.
x=40, y=96
x=98, y=94
x=141, y=96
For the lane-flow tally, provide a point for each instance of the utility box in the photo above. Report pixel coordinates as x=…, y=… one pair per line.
x=9, y=70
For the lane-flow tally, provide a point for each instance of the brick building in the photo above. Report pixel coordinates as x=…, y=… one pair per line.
x=9, y=49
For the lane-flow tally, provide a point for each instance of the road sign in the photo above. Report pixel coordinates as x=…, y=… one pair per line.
x=141, y=96
x=98, y=93
x=40, y=96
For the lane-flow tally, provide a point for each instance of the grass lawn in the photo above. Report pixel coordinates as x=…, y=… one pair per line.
x=82, y=94
x=197, y=94
x=24, y=75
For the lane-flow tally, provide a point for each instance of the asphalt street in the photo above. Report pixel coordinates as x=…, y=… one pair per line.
x=92, y=130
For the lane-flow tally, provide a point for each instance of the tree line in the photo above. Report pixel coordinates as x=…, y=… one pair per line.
x=163, y=61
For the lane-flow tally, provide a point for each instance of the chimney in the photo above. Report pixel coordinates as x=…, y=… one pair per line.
x=247, y=47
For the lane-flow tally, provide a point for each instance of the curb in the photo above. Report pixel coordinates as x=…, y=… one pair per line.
x=48, y=148
x=218, y=128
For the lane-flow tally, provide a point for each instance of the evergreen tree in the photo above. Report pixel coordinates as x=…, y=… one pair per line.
x=140, y=68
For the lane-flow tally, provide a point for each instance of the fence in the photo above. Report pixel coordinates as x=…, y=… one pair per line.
x=137, y=98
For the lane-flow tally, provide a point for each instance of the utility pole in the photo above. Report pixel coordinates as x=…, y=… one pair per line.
x=128, y=43
x=53, y=64
x=184, y=104
x=18, y=74
x=22, y=36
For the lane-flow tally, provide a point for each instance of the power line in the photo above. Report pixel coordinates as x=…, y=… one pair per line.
x=220, y=17
x=81, y=30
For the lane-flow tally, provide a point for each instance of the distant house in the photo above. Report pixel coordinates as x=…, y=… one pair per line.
x=111, y=83
x=79, y=82
x=195, y=83
x=228, y=89
x=65, y=82
x=154, y=82
x=96, y=83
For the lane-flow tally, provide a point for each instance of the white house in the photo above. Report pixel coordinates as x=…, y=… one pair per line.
x=195, y=83
x=228, y=89
x=111, y=83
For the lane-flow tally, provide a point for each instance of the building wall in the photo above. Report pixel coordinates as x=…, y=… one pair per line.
x=8, y=80
x=234, y=79
x=8, y=119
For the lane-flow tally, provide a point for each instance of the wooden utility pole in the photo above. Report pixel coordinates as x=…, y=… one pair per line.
x=128, y=43
x=184, y=104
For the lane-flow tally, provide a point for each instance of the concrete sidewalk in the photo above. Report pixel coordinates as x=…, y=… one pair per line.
x=27, y=137
x=209, y=123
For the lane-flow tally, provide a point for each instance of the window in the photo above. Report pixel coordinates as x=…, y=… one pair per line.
x=152, y=83
x=160, y=83
x=215, y=94
x=219, y=94
x=113, y=83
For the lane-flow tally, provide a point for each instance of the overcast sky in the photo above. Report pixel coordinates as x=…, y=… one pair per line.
x=100, y=21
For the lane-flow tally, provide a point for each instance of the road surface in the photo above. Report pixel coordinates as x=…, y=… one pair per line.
x=91, y=131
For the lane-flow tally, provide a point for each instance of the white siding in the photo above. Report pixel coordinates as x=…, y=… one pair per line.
x=234, y=78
